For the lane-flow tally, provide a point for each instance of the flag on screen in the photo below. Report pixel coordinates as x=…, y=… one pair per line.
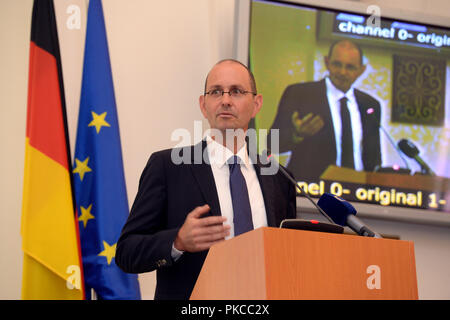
x=50, y=242
x=99, y=181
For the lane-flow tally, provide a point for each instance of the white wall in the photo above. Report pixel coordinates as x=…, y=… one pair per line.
x=160, y=53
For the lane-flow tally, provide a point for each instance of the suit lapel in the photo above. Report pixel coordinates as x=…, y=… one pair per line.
x=203, y=175
x=267, y=187
x=366, y=128
x=362, y=106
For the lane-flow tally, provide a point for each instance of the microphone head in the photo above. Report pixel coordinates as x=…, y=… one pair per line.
x=336, y=208
x=408, y=148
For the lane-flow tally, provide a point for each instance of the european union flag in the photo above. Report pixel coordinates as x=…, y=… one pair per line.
x=99, y=181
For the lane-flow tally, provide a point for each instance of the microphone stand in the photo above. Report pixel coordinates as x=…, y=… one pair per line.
x=298, y=187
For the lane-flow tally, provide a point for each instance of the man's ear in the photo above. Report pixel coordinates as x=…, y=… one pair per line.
x=325, y=59
x=201, y=102
x=363, y=68
x=258, y=102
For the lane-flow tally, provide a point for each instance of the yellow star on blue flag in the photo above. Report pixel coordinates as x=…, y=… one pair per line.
x=98, y=121
x=85, y=215
x=81, y=167
x=109, y=252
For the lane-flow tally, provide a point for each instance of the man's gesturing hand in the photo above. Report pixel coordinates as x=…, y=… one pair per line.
x=198, y=234
x=309, y=125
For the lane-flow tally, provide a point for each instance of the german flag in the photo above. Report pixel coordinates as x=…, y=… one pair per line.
x=50, y=240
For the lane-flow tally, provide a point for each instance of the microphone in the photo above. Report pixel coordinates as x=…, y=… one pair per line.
x=410, y=149
x=390, y=139
x=292, y=180
x=344, y=214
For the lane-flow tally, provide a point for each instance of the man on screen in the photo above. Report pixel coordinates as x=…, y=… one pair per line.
x=329, y=122
x=182, y=209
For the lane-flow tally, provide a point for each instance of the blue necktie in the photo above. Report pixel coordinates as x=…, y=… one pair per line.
x=242, y=213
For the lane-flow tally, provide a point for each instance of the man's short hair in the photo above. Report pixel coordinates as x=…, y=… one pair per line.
x=353, y=44
x=250, y=74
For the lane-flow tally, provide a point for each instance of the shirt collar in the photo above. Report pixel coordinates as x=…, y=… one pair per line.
x=337, y=94
x=219, y=154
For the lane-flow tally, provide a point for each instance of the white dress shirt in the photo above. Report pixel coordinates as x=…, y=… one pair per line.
x=218, y=156
x=334, y=96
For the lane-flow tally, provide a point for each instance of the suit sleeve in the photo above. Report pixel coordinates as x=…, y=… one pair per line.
x=145, y=243
x=377, y=143
x=283, y=120
x=292, y=198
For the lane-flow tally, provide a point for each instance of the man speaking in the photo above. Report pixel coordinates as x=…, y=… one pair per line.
x=182, y=209
x=329, y=122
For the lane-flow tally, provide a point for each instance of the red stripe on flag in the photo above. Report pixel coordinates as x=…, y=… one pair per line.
x=45, y=123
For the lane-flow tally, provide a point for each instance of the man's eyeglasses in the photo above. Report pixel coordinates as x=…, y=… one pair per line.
x=233, y=93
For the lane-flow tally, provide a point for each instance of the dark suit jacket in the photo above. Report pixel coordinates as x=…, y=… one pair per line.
x=167, y=193
x=315, y=153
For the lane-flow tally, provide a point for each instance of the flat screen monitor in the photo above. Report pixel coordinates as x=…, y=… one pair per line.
x=355, y=104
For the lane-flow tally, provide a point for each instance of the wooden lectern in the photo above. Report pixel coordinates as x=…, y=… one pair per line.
x=274, y=264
